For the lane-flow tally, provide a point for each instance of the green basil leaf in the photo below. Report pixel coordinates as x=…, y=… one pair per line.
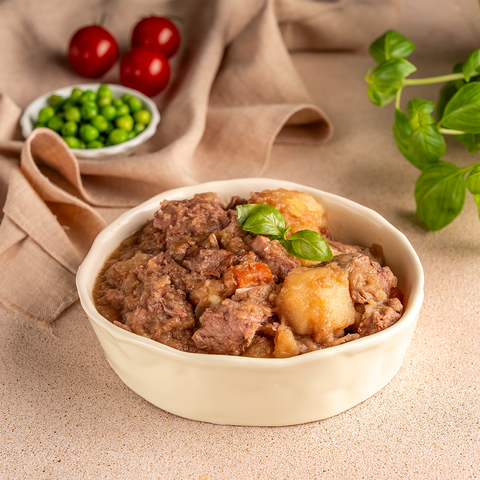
x=242, y=212
x=388, y=77
x=308, y=245
x=261, y=219
x=402, y=133
x=470, y=140
x=446, y=93
x=473, y=180
x=476, y=197
x=471, y=65
x=378, y=98
x=417, y=137
x=440, y=194
x=391, y=45
x=462, y=112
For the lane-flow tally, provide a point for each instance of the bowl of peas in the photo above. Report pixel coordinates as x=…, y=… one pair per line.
x=95, y=120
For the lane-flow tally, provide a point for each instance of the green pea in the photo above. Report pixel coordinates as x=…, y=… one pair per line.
x=117, y=136
x=100, y=123
x=87, y=97
x=116, y=102
x=109, y=112
x=104, y=91
x=123, y=109
x=39, y=125
x=55, y=101
x=132, y=134
x=142, y=116
x=45, y=114
x=126, y=97
x=55, y=123
x=83, y=145
x=76, y=94
x=88, y=132
x=69, y=129
x=135, y=104
x=111, y=127
x=72, y=142
x=102, y=101
x=73, y=114
x=125, y=122
x=95, y=144
x=108, y=142
x=139, y=128
x=88, y=111
x=68, y=104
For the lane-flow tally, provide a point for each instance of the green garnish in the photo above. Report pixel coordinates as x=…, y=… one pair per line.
x=266, y=220
x=441, y=187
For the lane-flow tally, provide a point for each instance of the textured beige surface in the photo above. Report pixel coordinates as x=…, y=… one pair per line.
x=65, y=414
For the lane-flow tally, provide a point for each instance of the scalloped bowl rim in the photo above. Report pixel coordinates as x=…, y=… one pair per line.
x=31, y=113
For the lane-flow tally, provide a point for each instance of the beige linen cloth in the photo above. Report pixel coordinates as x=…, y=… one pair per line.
x=234, y=91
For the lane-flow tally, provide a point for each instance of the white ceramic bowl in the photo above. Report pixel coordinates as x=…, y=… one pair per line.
x=30, y=116
x=254, y=391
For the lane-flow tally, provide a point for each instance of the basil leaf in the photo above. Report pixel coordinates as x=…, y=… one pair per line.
x=473, y=180
x=378, y=98
x=462, y=112
x=471, y=65
x=308, y=245
x=418, y=138
x=440, y=194
x=477, y=201
x=402, y=133
x=388, y=77
x=470, y=140
x=391, y=45
x=261, y=219
x=446, y=93
x=242, y=212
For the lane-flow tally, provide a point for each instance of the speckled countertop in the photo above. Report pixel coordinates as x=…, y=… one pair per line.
x=64, y=414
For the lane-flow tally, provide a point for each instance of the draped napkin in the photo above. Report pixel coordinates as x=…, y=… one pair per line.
x=234, y=91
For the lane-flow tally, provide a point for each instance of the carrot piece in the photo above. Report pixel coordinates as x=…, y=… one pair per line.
x=249, y=274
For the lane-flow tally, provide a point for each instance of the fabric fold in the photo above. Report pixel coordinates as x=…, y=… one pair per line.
x=37, y=259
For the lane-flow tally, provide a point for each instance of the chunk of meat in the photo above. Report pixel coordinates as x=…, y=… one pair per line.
x=260, y=294
x=209, y=261
x=275, y=256
x=368, y=280
x=162, y=314
x=378, y=316
x=375, y=252
x=235, y=201
x=229, y=328
x=194, y=217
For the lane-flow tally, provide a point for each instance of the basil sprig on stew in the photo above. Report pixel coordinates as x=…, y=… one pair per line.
x=441, y=188
x=266, y=220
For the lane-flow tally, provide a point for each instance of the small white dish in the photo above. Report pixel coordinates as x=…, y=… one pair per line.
x=30, y=116
x=255, y=391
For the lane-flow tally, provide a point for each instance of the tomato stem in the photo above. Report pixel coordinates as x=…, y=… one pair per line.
x=103, y=17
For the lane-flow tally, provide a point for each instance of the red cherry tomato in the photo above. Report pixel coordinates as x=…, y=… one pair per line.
x=157, y=33
x=92, y=51
x=145, y=70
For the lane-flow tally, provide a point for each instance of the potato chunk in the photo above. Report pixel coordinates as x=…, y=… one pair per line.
x=300, y=209
x=317, y=302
